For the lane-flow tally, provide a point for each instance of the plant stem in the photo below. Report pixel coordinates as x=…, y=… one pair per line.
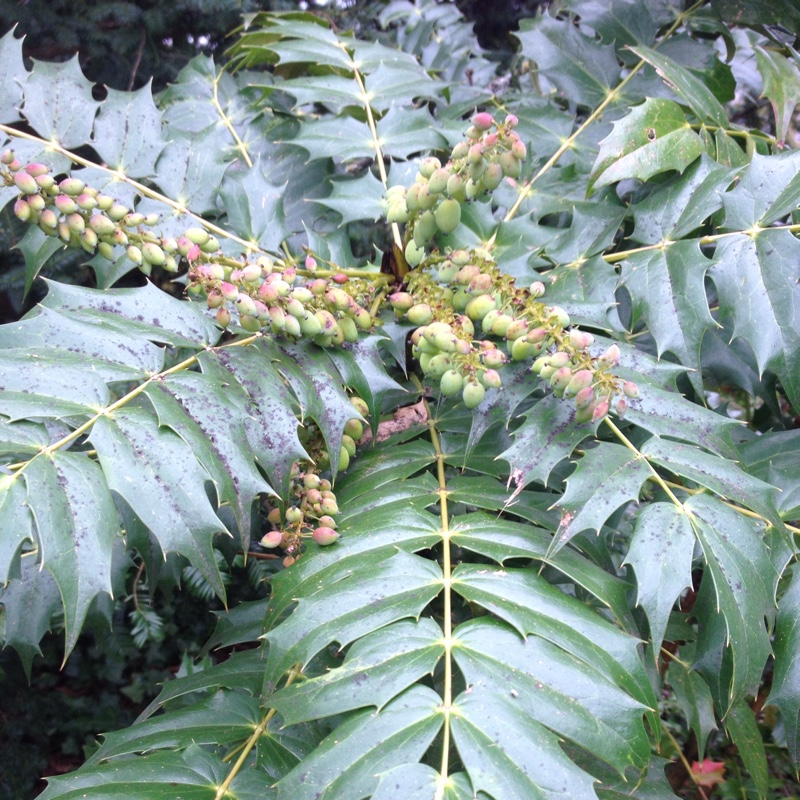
x=251, y=742
x=685, y=763
x=447, y=622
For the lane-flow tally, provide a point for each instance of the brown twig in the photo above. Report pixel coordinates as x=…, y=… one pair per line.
x=138, y=59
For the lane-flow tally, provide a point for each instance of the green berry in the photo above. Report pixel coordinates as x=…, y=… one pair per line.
x=473, y=394
x=448, y=215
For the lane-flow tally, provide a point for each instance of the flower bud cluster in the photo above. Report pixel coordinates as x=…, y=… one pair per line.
x=432, y=204
x=312, y=509
x=330, y=310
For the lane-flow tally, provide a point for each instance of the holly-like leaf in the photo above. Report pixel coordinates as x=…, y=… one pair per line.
x=775, y=459
x=12, y=66
x=781, y=87
x=76, y=522
x=785, y=692
x=689, y=87
x=127, y=132
x=661, y=556
x=743, y=729
x=59, y=104
x=653, y=138
x=694, y=698
x=606, y=477
x=582, y=70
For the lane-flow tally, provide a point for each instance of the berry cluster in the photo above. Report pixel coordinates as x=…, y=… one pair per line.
x=328, y=310
x=456, y=298
x=313, y=503
x=433, y=202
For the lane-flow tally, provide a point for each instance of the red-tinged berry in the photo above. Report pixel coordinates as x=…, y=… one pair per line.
x=223, y=317
x=272, y=539
x=35, y=170
x=600, y=411
x=483, y=121
x=325, y=536
x=630, y=389
x=26, y=183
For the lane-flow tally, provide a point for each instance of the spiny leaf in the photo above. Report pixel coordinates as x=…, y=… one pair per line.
x=661, y=555
x=781, y=87
x=743, y=729
x=127, y=132
x=606, y=477
x=59, y=104
x=77, y=523
x=582, y=70
x=654, y=137
x=689, y=88
x=743, y=583
x=694, y=698
x=156, y=473
x=785, y=692
x=347, y=763
x=11, y=64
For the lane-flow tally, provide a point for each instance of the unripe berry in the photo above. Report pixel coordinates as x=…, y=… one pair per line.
x=473, y=394
x=560, y=316
x=581, y=379
x=89, y=240
x=510, y=165
x=480, y=306
x=584, y=397
x=438, y=181
x=293, y=515
x=76, y=222
x=223, y=317
x=245, y=305
x=492, y=176
x=425, y=227
x=519, y=151
x=630, y=389
x=537, y=289
x=310, y=325
x=459, y=151
x=516, y=330
x=132, y=220
x=621, y=407
x=429, y=166
x=293, y=326
x=600, y=411
x=420, y=314
x=329, y=506
x=26, y=183
x=360, y=406
x=272, y=539
x=324, y=536
x=493, y=358
x=101, y=225
x=106, y=250
x=401, y=301
x=451, y=383
x=456, y=189
x=560, y=379
x=414, y=254
x=521, y=349
x=249, y=323
x=211, y=246
x=326, y=521
x=72, y=186
x=48, y=221
x=502, y=324
x=610, y=358
x=153, y=254
x=354, y=429
x=197, y=236
x=22, y=210
x=490, y=378
x=585, y=413
x=580, y=339
x=86, y=201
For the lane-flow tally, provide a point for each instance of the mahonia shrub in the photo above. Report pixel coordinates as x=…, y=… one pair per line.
x=500, y=374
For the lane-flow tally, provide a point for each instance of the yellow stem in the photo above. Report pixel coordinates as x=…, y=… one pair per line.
x=124, y=400
x=524, y=190
x=240, y=145
x=447, y=623
x=251, y=742
x=685, y=763
x=146, y=191
x=376, y=143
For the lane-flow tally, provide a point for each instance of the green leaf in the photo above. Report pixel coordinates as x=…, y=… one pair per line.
x=785, y=692
x=39, y=388
x=548, y=685
x=395, y=587
x=721, y=475
x=743, y=729
x=127, y=132
x=12, y=66
x=194, y=772
x=507, y=754
x=144, y=312
x=267, y=406
x=28, y=603
x=348, y=762
x=532, y=606
x=781, y=87
x=660, y=553
x=667, y=289
x=157, y=474
x=36, y=248
x=59, y=104
x=694, y=698
x=200, y=412
x=653, y=138
x=225, y=717
x=377, y=668
x=757, y=284
x=774, y=457
x=582, y=70
x=607, y=476
x=548, y=435
x=356, y=198
x=743, y=580
x=254, y=205
x=690, y=88
x=77, y=523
